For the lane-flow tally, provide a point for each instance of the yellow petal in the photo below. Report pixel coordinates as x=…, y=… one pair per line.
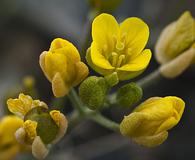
x=152, y=141
x=178, y=105
x=138, y=63
x=42, y=63
x=59, y=87
x=104, y=29
x=55, y=63
x=126, y=75
x=8, y=126
x=130, y=124
x=10, y=153
x=20, y=106
x=166, y=125
x=98, y=59
x=63, y=125
x=66, y=47
x=81, y=72
x=94, y=67
x=56, y=116
x=30, y=129
x=159, y=109
x=137, y=34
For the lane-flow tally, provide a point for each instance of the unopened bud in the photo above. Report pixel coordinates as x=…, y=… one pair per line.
x=93, y=91
x=129, y=94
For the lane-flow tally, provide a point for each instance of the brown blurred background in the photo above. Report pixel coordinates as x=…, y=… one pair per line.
x=26, y=29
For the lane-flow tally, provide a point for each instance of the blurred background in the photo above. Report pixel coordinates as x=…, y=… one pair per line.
x=26, y=29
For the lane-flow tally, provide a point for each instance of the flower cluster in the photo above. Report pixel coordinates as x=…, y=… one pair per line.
x=40, y=126
x=117, y=53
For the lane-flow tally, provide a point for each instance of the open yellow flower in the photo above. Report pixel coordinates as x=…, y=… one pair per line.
x=9, y=147
x=119, y=47
x=62, y=66
x=148, y=124
x=41, y=127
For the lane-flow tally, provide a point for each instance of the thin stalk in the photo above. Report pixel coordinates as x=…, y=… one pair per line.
x=103, y=121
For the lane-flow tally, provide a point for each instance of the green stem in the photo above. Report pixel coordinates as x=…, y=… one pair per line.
x=73, y=119
x=77, y=104
x=83, y=112
x=150, y=79
x=107, y=123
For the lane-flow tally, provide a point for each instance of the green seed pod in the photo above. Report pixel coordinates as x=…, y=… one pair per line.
x=129, y=94
x=112, y=79
x=93, y=91
x=47, y=129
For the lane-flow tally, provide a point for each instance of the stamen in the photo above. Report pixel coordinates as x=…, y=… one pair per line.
x=105, y=47
x=120, y=45
x=114, y=58
x=129, y=51
x=120, y=60
x=123, y=37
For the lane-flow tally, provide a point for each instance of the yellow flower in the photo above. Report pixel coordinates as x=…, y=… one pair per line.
x=41, y=127
x=119, y=47
x=149, y=123
x=174, y=49
x=9, y=147
x=62, y=66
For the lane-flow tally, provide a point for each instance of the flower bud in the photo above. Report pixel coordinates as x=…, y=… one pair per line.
x=62, y=66
x=175, y=38
x=174, y=49
x=129, y=94
x=149, y=123
x=93, y=91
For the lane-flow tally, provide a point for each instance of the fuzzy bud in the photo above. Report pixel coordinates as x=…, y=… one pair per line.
x=129, y=94
x=93, y=91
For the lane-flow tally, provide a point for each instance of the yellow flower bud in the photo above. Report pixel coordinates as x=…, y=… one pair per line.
x=174, y=48
x=175, y=38
x=119, y=47
x=149, y=123
x=62, y=66
x=9, y=147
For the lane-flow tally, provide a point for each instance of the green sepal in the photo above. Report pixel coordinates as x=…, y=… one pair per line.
x=47, y=129
x=112, y=79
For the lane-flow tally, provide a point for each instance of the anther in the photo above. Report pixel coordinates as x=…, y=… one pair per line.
x=120, y=60
x=114, y=58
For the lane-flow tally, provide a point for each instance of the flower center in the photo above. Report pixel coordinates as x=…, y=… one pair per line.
x=117, y=60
